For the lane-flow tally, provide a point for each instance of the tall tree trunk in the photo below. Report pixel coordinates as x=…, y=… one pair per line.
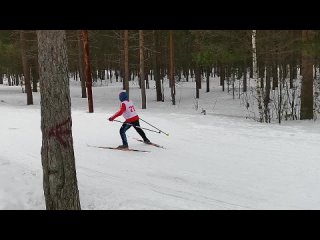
x=80, y=65
x=295, y=71
x=222, y=76
x=116, y=72
x=142, y=76
x=156, y=64
x=187, y=74
x=307, y=79
x=251, y=72
x=110, y=71
x=267, y=95
x=261, y=75
x=57, y=154
x=255, y=75
x=228, y=75
x=208, y=80
x=275, y=75
x=171, y=65
x=233, y=80
x=146, y=72
x=146, y=69
x=198, y=80
x=317, y=90
x=17, y=79
x=94, y=71
x=280, y=100
x=291, y=75
x=245, y=78
x=35, y=74
x=87, y=68
x=26, y=69
x=126, y=61
x=9, y=79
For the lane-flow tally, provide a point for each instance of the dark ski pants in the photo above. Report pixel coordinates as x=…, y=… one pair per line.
x=136, y=126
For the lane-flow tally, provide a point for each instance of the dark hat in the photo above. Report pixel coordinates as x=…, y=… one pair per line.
x=123, y=96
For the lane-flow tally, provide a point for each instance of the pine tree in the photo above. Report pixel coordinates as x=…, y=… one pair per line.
x=142, y=75
x=57, y=154
x=307, y=78
x=26, y=69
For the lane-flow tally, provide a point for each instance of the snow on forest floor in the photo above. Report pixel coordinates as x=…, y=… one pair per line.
x=220, y=160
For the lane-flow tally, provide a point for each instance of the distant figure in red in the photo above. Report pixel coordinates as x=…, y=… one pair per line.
x=128, y=111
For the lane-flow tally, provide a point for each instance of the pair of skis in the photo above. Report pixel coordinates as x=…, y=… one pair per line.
x=129, y=149
x=121, y=149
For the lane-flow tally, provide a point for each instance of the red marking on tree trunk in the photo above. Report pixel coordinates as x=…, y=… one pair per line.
x=61, y=134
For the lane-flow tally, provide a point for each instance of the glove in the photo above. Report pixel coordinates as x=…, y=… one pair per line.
x=110, y=119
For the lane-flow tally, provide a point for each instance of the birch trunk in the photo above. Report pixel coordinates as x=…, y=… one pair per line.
x=255, y=75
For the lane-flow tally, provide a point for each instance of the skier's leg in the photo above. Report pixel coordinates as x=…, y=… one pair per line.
x=136, y=126
x=123, y=130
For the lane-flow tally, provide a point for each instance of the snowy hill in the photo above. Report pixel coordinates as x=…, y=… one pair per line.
x=220, y=160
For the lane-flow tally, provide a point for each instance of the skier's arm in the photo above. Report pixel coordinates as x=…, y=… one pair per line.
x=119, y=113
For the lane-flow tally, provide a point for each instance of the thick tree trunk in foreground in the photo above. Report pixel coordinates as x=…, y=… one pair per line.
x=58, y=161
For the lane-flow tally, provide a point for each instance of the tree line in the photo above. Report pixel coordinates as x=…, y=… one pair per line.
x=287, y=62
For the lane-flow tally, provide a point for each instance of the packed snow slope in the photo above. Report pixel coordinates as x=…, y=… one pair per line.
x=221, y=160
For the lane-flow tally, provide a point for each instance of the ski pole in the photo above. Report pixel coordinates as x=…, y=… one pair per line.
x=137, y=126
x=154, y=127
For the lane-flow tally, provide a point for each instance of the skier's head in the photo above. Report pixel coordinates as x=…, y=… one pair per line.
x=123, y=96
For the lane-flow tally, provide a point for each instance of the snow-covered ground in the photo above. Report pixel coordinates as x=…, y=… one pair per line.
x=220, y=160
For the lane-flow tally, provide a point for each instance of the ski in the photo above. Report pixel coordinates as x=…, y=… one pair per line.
x=121, y=149
x=153, y=144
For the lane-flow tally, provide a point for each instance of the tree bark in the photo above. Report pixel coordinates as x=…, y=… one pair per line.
x=274, y=76
x=222, y=76
x=80, y=64
x=142, y=76
x=307, y=79
x=35, y=75
x=57, y=154
x=233, y=80
x=26, y=69
x=126, y=61
x=16, y=79
x=156, y=64
x=267, y=95
x=87, y=68
x=171, y=65
x=245, y=78
x=198, y=80
x=255, y=75
x=208, y=80
x=291, y=75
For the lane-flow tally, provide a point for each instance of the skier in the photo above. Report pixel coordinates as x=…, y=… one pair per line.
x=128, y=111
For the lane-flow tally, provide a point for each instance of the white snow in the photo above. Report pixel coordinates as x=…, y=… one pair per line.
x=220, y=160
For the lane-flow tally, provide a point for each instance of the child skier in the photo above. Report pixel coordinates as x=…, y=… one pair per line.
x=128, y=111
